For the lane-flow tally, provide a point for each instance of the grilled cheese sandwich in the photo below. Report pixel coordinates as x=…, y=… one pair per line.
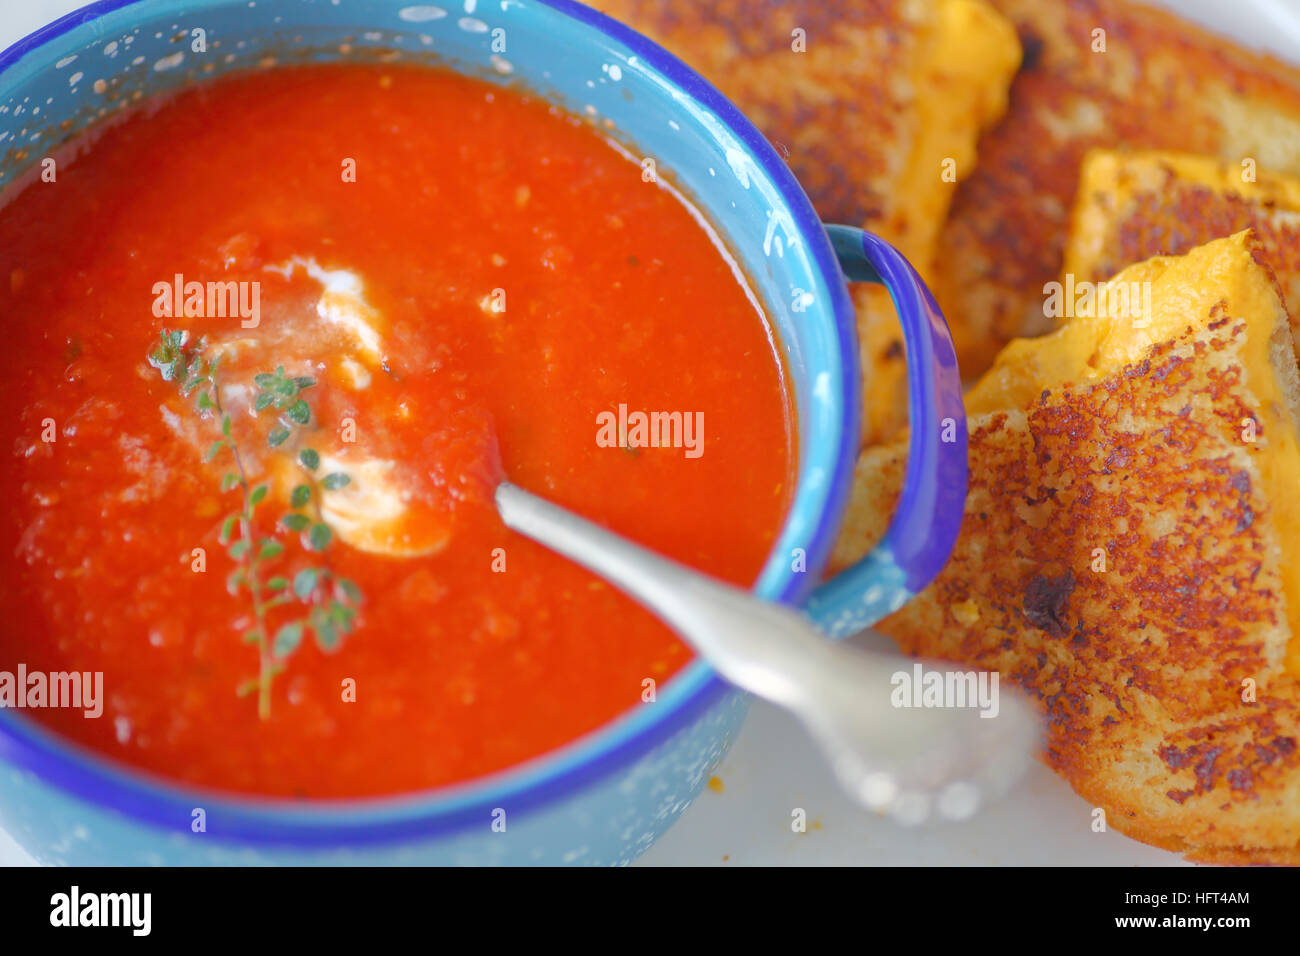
x=1122, y=556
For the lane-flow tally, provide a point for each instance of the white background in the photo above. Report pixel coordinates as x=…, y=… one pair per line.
x=773, y=769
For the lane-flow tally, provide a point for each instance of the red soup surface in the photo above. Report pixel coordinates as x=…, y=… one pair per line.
x=423, y=269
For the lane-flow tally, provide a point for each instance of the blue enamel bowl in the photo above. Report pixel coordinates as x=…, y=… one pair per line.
x=606, y=797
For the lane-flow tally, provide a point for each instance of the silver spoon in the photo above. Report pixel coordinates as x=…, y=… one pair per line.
x=913, y=764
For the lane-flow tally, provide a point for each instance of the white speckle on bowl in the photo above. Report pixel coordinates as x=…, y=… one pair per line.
x=501, y=64
x=110, y=48
x=472, y=25
x=739, y=163
x=169, y=62
x=76, y=78
x=421, y=14
x=470, y=5
x=65, y=61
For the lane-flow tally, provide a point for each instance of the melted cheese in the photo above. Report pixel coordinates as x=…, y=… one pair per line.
x=962, y=84
x=1184, y=293
x=961, y=80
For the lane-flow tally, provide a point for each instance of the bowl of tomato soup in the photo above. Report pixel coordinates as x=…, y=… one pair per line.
x=290, y=287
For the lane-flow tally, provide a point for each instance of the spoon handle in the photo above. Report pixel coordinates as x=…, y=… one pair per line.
x=906, y=762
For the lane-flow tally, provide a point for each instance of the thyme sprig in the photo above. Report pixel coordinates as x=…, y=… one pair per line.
x=330, y=600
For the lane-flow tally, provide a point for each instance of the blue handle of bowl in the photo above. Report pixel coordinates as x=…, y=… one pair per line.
x=925, y=525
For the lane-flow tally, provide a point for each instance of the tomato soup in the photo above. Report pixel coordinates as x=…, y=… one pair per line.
x=271, y=342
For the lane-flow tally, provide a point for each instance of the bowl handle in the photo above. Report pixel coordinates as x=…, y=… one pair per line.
x=925, y=525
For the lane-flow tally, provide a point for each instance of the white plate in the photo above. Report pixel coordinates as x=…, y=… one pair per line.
x=772, y=771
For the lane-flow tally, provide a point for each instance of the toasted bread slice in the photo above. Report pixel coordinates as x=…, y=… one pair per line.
x=878, y=117
x=1128, y=554
x=1161, y=83
x=1135, y=205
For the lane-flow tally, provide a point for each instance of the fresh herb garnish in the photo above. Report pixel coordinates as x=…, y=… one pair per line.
x=330, y=601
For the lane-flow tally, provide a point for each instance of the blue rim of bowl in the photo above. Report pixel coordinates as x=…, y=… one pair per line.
x=552, y=776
